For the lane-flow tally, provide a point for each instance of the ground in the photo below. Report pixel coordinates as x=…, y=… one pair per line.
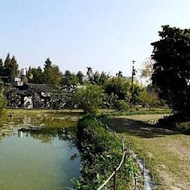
x=167, y=154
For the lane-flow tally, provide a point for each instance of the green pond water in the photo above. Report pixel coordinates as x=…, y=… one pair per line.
x=37, y=162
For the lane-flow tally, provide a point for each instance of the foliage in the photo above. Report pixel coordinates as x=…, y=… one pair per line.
x=9, y=67
x=122, y=105
x=149, y=99
x=176, y=122
x=89, y=98
x=52, y=74
x=2, y=98
x=109, y=100
x=70, y=80
x=172, y=69
x=119, y=86
x=35, y=75
x=147, y=70
x=96, y=78
x=100, y=153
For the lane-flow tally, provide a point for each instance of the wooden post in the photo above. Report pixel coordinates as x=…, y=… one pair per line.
x=115, y=179
x=143, y=166
x=135, y=183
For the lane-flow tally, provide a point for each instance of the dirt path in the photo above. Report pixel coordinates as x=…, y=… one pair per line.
x=167, y=154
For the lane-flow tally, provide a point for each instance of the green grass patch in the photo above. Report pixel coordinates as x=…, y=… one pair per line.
x=139, y=112
x=166, y=153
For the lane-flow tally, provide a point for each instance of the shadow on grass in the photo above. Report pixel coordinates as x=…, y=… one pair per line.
x=137, y=128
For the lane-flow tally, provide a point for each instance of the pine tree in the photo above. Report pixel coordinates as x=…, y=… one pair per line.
x=7, y=66
x=14, y=68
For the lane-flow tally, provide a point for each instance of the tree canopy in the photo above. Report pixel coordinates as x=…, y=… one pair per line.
x=172, y=67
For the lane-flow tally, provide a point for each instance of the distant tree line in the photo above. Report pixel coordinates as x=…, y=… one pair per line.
x=88, y=90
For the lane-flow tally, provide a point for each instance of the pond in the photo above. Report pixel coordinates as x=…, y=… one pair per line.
x=38, y=160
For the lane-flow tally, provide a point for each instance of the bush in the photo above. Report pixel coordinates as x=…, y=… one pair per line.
x=122, y=105
x=176, y=122
x=100, y=153
x=89, y=98
x=184, y=127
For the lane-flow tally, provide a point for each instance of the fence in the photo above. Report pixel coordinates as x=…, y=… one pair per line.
x=116, y=169
x=148, y=183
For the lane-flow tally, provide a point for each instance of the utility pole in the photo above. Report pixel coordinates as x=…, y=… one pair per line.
x=132, y=83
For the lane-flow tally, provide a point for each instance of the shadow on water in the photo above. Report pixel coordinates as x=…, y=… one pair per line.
x=137, y=128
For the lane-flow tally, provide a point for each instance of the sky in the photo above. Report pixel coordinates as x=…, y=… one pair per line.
x=75, y=34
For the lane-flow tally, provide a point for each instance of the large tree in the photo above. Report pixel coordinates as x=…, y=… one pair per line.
x=172, y=67
x=52, y=74
x=10, y=67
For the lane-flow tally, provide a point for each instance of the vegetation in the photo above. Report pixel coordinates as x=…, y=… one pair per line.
x=171, y=69
x=100, y=153
x=88, y=98
x=9, y=67
x=166, y=153
x=2, y=98
x=122, y=105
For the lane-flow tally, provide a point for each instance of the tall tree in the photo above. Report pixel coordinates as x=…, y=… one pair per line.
x=36, y=75
x=147, y=71
x=172, y=67
x=69, y=80
x=14, y=68
x=80, y=77
x=7, y=66
x=10, y=67
x=52, y=74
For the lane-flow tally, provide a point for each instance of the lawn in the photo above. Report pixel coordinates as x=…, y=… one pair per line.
x=166, y=153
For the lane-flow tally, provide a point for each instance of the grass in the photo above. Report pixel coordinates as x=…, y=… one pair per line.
x=167, y=154
x=140, y=111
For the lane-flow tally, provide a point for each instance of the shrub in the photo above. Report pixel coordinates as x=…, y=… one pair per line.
x=122, y=105
x=89, y=98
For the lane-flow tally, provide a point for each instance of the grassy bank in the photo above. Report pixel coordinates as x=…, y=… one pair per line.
x=100, y=153
x=141, y=111
x=166, y=153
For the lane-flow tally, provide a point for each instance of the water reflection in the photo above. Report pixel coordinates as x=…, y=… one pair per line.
x=38, y=160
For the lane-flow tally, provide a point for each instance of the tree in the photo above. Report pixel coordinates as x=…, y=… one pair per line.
x=14, y=68
x=119, y=86
x=80, y=77
x=149, y=99
x=7, y=66
x=172, y=67
x=2, y=98
x=52, y=74
x=89, y=98
x=147, y=70
x=35, y=75
x=10, y=67
x=69, y=80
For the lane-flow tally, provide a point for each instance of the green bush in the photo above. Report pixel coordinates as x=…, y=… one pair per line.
x=184, y=127
x=100, y=153
x=122, y=105
x=89, y=98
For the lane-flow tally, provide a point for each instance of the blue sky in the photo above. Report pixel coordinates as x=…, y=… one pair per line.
x=103, y=34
